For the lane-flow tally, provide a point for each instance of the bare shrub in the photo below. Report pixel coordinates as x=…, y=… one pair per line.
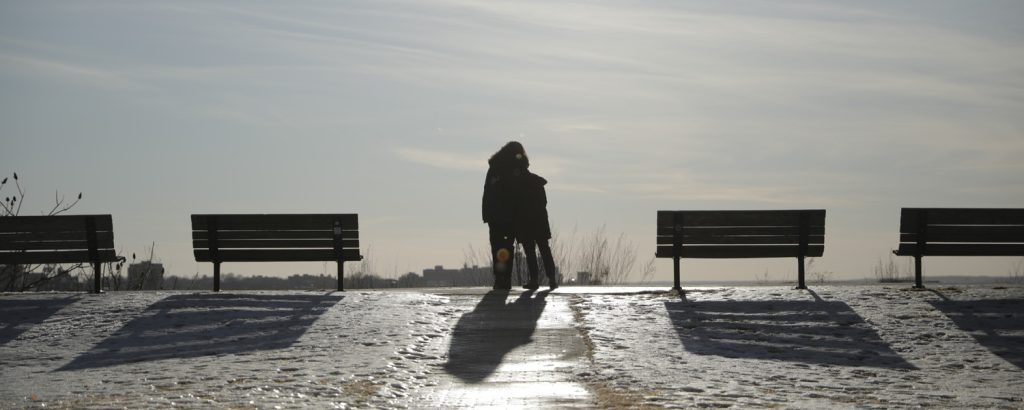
x=817, y=276
x=890, y=272
x=610, y=261
x=20, y=278
x=1016, y=272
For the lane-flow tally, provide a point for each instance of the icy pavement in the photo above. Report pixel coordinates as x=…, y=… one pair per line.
x=834, y=346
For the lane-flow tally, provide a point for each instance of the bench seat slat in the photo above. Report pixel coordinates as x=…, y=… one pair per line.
x=53, y=236
x=972, y=249
x=741, y=251
x=741, y=230
x=55, y=223
x=105, y=255
x=277, y=255
x=972, y=230
x=994, y=237
x=742, y=240
x=275, y=243
x=53, y=245
x=201, y=235
x=264, y=222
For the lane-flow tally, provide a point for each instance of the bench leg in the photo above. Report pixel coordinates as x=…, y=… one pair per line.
x=97, y=269
x=675, y=271
x=216, y=276
x=918, y=280
x=801, y=283
x=341, y=276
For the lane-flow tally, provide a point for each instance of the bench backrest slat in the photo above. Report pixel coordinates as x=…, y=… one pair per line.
x=969, y=234
x=741, y=251
x=226, y=235
x=961, y=232
x=277, y=222
x=224, y=244
x=909, y=217
x=275, y=237
x=277, y=255
x=701, y=232
x=55, y=223
x=784, y=218
x=57, y=239
x=26, y=258
x=741, y=234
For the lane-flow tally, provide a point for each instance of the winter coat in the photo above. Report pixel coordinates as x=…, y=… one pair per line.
x=531, y=201
x=498, y=201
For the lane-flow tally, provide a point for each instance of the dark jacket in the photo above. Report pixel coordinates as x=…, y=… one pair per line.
x=498, y=201
x=531, y=206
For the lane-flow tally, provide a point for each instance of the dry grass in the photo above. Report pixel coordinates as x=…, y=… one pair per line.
x=361, y=390
x=611, y=397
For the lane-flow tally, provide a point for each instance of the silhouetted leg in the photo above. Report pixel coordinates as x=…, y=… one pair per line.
x=530, y=248
x=549, y=261
x=501, y=258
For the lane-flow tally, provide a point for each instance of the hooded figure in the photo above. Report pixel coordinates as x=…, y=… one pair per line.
x=531, y=206
x=532, y=228
x=499, y=209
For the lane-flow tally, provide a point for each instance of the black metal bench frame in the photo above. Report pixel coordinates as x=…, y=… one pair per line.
x=959, y=232
x=58, y=239
x=276, y=238
x=741, y=234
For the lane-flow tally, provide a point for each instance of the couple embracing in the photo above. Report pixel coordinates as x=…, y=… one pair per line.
x=515, y=209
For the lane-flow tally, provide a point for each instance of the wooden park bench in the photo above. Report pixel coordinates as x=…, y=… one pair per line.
x=26, y=240
x=276, y=238
x=959, y=232
x=741, y=234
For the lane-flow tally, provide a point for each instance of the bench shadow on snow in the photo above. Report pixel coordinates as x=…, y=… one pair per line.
x=20, y=315
x=483, y=337
x=811, y=332
x=997, y=324
x=194, y=325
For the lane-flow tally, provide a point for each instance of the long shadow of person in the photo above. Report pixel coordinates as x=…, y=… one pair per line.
x=483, y=337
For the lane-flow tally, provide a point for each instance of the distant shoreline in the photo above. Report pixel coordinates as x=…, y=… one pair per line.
x=936, y=280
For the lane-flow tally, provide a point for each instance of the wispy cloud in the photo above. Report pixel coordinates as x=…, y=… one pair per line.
x=65, y=71
x=444, y=159
x=764, y=104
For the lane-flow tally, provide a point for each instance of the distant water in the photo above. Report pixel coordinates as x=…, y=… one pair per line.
x=943, y=280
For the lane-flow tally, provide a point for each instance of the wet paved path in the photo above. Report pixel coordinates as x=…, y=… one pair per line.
x=856, y=346
x=511, y=350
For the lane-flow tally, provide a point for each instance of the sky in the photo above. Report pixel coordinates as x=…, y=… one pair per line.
x=157, y=110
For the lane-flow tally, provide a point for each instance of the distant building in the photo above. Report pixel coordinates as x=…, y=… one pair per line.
x=465, y=276
x=145, y=276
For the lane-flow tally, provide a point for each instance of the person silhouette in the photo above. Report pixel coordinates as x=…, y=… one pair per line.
x=499, y=209
x=532, y=228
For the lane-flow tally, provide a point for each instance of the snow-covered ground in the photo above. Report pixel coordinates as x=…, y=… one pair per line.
x=834, y=346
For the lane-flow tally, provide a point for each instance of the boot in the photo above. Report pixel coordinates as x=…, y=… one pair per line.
x=552, y=284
